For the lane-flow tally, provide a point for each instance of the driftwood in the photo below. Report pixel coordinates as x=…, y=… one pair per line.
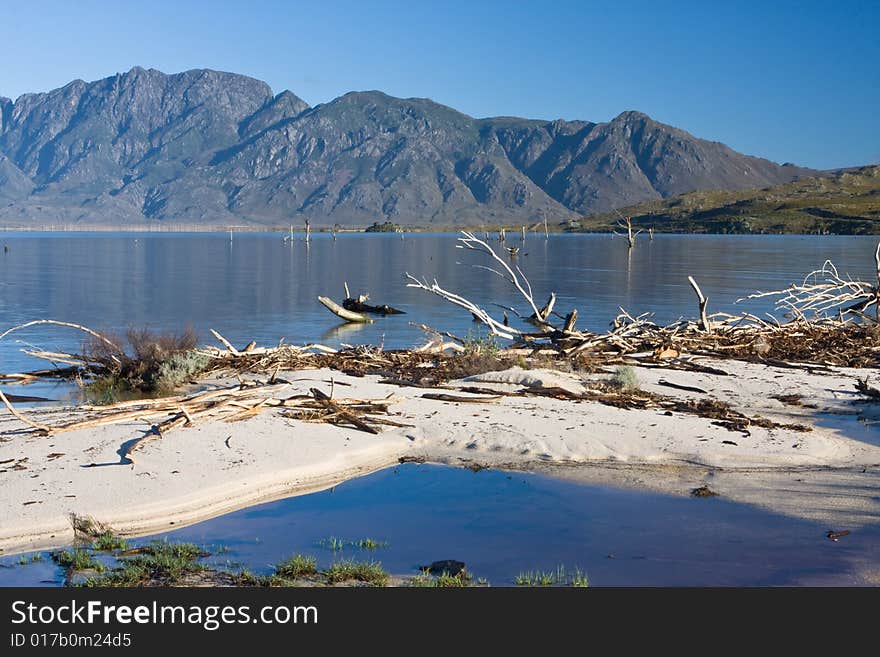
x=22, y=418
x=357, y=309
x=358, y=306
x=704, y=320
x=626, y=224
x=341, y=413
x=678, y=386
x=78, y=327
x=344, y=313
x=458, y=398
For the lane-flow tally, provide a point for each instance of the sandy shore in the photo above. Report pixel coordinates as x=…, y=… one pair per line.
x=215, y=467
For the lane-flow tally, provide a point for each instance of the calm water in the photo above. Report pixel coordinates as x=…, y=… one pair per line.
x=255, y=287
x=501, y=524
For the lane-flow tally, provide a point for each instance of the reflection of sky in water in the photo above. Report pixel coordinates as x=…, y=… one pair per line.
x=258, y=288
x=502, y=523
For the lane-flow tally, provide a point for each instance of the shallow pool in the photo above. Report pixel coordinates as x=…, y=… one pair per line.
x=502, y=524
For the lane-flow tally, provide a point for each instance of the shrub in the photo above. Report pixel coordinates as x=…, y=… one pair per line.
x=344, y=571
x=625, y=378
x=481, y=345
x=152, y=362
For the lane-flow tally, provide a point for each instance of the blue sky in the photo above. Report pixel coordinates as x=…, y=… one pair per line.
x=791, y=81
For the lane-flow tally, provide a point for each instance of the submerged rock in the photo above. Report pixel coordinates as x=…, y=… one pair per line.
x=448, y=566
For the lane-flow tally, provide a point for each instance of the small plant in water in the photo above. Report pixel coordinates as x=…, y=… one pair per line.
x=558, y=577
x=579, y=579
x=333, y=543
x=161, y=562
x=107, y=541
x=24, y=559
x=625, y=379
x=76, y=560
x=339, y=544
x=443, y=581
x=296, y=567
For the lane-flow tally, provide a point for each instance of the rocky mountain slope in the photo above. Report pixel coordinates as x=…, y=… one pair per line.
x=216, y=148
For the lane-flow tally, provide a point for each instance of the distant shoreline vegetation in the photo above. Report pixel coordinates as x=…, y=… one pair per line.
x=847, y=203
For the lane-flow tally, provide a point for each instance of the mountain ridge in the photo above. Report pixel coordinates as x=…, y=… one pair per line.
x=213, y=147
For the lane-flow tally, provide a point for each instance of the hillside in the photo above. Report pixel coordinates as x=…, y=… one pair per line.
x=847, y=202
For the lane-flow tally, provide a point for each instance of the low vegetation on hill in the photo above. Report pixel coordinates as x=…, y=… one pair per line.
x=846, y=203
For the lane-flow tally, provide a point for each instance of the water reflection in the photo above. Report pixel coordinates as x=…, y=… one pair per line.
x=256, y=287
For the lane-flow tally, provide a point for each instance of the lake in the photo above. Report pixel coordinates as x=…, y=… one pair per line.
x=255, y=287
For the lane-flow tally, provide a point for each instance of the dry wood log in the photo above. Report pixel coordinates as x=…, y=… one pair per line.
x=359, y=305
x=248, y=413
x=626, y=224
x=350, y=418
x=545, y=311
x=867, y=389
x=57, y=357
x=41, y=427
x=476, y=390
x=385, y=421
x=347, y=315
x=429, y=329
x=704, y=321
x=438, y=396
x=678, y=386
x=156, y=431
x=27, y=399
x=226, y=343
x=79, y=327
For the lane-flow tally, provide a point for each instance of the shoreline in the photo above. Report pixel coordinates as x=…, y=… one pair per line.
x=299, y=231
x=203, y=471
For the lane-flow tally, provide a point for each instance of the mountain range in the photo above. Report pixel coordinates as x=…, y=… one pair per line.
x=219, y=148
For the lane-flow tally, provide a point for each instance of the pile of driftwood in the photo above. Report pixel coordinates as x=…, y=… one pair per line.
x=811, y=334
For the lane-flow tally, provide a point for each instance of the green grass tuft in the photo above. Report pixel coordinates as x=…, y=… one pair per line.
x=297, y=566
x=559, y=577
x=107, y=541
x=345, y=571
x=443, y=581
x=338, y=544
x=76, y=560
x=333, y=543
x=158, y=561
x=25, y=559
x=477, y=344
